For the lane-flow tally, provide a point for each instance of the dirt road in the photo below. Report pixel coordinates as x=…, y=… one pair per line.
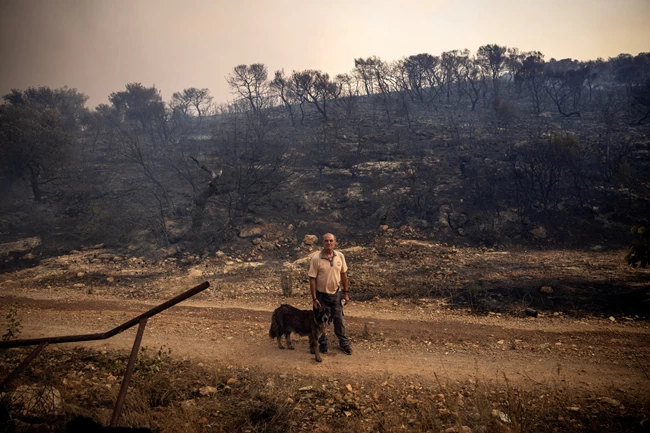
x=390, y=339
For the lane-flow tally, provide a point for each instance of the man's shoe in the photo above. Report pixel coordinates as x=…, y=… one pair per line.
x=347, y=350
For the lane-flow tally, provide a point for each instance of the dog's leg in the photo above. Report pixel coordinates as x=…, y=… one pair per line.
x=289, y=343
x=313, y=347
x=280, y=342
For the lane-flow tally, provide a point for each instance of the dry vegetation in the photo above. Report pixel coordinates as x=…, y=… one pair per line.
x=183, y=396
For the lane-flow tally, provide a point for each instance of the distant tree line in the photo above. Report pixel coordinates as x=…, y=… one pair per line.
x=139, y=163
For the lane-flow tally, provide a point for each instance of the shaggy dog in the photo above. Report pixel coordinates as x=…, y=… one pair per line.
x=287, y=319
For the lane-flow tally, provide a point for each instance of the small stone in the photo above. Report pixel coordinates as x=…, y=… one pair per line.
x=310, y=239
x=110, y=279
x=538, y=232
x=207, y=390
x=610, y=401
x=531, y=312
x=502, y=416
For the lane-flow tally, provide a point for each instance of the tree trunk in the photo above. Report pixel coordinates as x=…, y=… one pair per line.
x=34, y=172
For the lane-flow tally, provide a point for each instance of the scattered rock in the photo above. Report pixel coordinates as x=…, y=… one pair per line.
x=538, y=232
x=457, y=219
x=441, y=224
x=500, y=415
x=531, y=312
x=310, y=240
x=410, y=400
x=207, y=390
x=610, y=401
x=19, y=247
x=169, y=252
x=195, y=272
x=10, y=284
x=250, y=232
x=546, y=290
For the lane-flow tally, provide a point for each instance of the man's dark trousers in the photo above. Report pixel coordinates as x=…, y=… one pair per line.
x=334, y=302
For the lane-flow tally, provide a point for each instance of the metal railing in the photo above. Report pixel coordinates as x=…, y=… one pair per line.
x=140, y=320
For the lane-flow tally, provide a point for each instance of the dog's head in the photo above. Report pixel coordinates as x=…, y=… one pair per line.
x=323, y=316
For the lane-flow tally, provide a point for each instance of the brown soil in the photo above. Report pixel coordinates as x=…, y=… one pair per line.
x=391, y=337
x=590, y=354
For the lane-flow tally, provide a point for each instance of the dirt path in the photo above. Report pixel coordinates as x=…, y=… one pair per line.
x=389, y=340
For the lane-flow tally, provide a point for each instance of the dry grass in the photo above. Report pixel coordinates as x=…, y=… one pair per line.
x=186, y=397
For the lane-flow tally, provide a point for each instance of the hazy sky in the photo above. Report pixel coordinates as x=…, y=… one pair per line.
x=97, y=46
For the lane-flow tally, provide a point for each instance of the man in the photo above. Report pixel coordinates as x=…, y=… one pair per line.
x=329, y=285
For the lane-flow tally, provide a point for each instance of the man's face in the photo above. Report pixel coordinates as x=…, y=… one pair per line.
x=329, y=242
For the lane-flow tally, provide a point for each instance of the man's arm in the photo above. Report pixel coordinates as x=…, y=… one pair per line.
x=312, y=287
x=346, y=286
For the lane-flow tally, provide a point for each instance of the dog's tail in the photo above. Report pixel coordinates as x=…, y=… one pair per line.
x=274, y=331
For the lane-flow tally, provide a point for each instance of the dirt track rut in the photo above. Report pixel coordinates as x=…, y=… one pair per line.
x=389, y=340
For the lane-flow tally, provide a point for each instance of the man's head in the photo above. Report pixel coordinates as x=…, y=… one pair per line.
x=329, y=242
